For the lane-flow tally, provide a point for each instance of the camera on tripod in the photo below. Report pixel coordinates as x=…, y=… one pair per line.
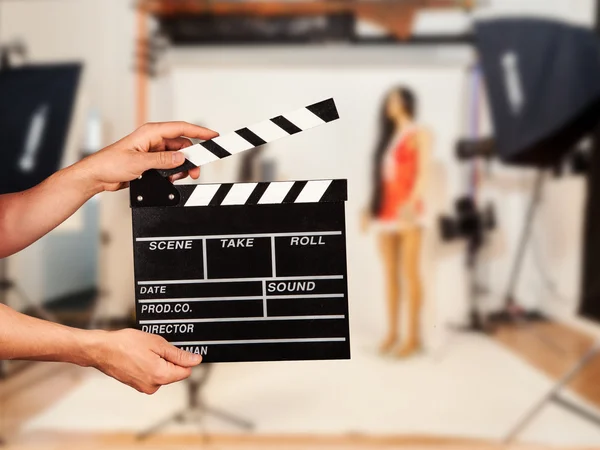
x=468, y=222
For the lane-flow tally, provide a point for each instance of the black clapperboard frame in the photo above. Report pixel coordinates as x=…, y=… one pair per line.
x=244, y=271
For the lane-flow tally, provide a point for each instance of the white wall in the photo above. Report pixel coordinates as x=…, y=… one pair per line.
x=100, y=33
x=576, y=11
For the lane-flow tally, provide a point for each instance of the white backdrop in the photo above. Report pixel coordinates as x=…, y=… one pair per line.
x=229, y=95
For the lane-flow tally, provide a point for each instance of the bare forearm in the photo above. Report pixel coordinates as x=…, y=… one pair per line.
x=28, y=338
x=27, y=216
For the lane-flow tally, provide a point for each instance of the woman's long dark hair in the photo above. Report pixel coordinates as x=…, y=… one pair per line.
x=387, y=127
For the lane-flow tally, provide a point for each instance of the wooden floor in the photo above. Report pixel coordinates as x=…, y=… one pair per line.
x=552, y=348
x=32, y=390
x=251, y=442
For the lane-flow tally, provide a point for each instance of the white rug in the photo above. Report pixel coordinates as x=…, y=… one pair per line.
x=478, y=389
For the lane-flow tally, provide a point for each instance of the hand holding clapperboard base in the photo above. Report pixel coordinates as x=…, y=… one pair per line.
x=244, y=271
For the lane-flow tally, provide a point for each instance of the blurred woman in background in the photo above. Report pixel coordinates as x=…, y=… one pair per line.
x=397, y=212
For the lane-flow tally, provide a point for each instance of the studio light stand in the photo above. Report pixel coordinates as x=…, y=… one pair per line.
x=196, y=408
x=553, y=395
x=512, y=312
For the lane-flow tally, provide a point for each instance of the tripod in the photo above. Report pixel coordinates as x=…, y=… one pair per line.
x=475, y=322
x=553, y=395
x=196, y=408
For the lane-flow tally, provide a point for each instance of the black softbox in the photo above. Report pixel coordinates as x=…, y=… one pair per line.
x=36, y=106
x=543, y=83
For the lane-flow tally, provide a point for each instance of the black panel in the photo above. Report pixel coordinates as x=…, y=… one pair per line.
x=36, y=106
x=201, y=309
x=542, y=78
x=239, y=258
x=199, y=290
x=271, y=352
x=309, y=286
x=251, y=329
x=169, y=259
x=308, y=306
x=309, y=255
x=590, y=289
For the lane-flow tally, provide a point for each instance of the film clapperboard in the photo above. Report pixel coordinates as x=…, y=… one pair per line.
x=244, y=271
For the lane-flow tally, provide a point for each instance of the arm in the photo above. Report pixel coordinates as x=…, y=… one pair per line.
x=27, y=216
x=423, y=142
x=143, y=361
x=140, y=360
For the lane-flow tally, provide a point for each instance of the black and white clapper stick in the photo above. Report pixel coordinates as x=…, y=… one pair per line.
x=256, y=135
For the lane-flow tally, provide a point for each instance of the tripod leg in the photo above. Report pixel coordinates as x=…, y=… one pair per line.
x=228, y=417
x=525, y=232
x=39, y=310
x=552, y=394
x=575, y=409
x=178, y=416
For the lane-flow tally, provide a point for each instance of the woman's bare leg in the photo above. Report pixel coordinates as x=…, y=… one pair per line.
x=389, y=248
x=411, y=256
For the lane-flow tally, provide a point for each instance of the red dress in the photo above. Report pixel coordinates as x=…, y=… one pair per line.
x=400, y=168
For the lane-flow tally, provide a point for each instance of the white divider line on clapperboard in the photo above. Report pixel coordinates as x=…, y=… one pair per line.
x=247, y=298
x=204, y=259
x=237, y=236
x=264, y=294
x=262, y=341
x=243, y=319
x=241, y=280
x=260, y=133
x=273, y=258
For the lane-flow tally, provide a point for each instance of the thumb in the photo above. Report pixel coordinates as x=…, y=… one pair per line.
x=179, y=357
x=161, y=160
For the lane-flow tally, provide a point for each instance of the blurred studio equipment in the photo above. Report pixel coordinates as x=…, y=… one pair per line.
x=35, y=116
x=471, y=222
x=37, y=103
x=256, y=167
x=202, y=22
x=543, y=85
x=196, y=408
